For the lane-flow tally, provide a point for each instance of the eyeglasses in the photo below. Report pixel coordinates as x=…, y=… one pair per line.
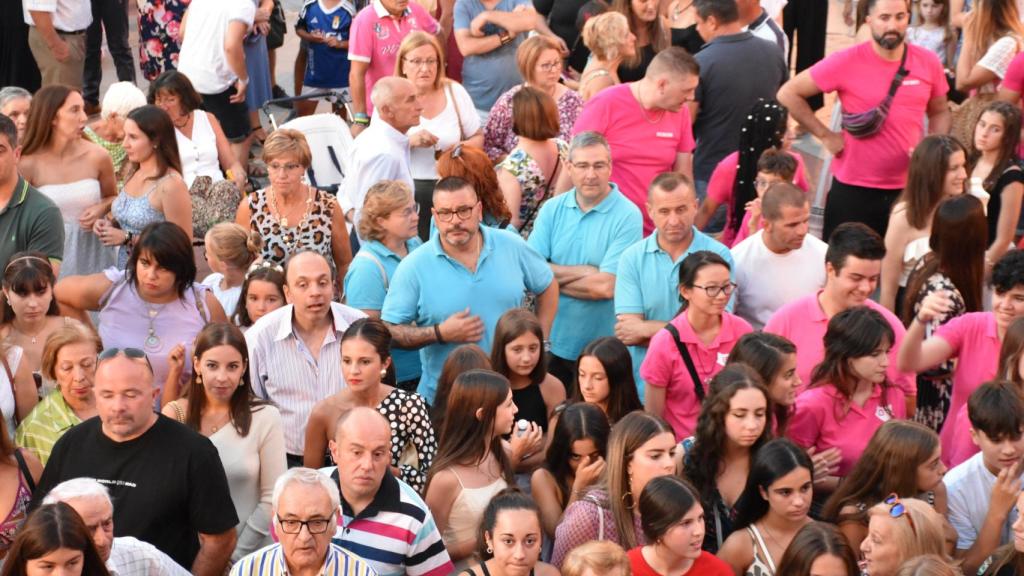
x=897, y=510
x=418, y=63
x=550, y=66
x=290, y=167
x=596, y=166
x=463, y=212
x=762, y=184
x=314, y=526
x=715, y=291
x=408, y=211
x=133, y=353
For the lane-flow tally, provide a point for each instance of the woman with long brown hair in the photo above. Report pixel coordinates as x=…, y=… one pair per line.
x=996, y=174
x=54, y=539
x=84, y=185
x=956, y=266
x=651, y=36
x=219, y=404
x=30, y=311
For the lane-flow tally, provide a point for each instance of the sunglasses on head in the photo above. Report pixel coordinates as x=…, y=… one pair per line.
x=899, y=510
x=133, y=353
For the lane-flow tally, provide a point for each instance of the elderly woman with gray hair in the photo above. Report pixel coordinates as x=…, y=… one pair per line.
x=14, y=103
x=123, y=555
x=108, y=130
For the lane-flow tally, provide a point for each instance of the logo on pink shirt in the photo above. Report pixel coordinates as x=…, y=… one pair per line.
x=381, y=31
x=884, y=413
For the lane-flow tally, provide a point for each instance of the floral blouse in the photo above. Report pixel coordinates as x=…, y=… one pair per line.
x=499, y=139
x=532, y=182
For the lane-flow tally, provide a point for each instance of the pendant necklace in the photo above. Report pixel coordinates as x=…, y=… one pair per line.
x=152, y=342
x=290, y=237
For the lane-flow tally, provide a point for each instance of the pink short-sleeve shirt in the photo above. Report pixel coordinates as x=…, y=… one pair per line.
x=376, y=36
x=663, y=367
x=962, y=446
x=1014, y=80
x=861, y=78
x=805, y=323
x=644, y=143
x=824, y=419
x=974, y=339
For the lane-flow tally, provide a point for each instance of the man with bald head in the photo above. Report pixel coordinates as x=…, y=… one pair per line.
x=373, y=496
x=381, y=152
x=295, y=351
x=167, y=479
x=647, y=282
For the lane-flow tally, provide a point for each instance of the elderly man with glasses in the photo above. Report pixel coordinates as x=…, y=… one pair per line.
x=306, y=505
x=453, y=289
x=167, y=480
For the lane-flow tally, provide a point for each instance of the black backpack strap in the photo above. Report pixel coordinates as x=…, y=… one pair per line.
x=698, y=387
x=23, y=467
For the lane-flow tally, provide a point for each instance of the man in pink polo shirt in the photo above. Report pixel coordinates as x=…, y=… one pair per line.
x=853, y=264
x=870, y=169
x=974, y=339
x=377, y=32
x=647, y=125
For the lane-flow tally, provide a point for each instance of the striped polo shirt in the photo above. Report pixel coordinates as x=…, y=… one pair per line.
x=395, y=533
x=269, y=561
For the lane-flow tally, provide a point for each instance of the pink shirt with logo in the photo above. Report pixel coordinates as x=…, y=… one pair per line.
x=376, y=35
x=644, y=143
x=861, y=78
x=974, y=339
x=721, y=187
x=663, y=367
x=824, y=419
x=805, y=323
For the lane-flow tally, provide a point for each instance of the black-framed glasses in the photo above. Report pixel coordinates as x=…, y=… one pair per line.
x=899, y=510
x=314, y=526
x=714, y=291
x=463, y=212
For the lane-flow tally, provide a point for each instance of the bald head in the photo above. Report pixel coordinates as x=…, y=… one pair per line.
x=124, y=397
x=362, y=422
x=362, y=450
x=390, y=89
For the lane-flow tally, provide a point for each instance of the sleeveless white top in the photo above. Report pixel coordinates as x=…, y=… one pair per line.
x=199, y=153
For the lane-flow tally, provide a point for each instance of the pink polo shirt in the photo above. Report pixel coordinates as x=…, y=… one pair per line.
x=376, y=35
x=974, y=339
x=665, y=368
x=723, y=183
x=824, y=419
x=644, y=144
x=805, y=323
x=1014, y=80
x=961, y=445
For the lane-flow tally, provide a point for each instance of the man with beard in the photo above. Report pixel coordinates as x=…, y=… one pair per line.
x=885, y=87
x=453, y=289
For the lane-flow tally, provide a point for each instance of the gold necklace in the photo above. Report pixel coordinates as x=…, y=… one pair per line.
x=643, y=109
x=282, y=219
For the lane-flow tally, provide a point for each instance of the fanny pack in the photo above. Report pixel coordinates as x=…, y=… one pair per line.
x=868, y=123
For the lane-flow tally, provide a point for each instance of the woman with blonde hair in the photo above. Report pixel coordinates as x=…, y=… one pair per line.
x=448, y=117
x=230, y=250
x=993, y=35
x=899, y=530
x=597, y=558
x=291, y=215
x=929, y=565
x=610, y=41
x=388, y=231
x=539, y=59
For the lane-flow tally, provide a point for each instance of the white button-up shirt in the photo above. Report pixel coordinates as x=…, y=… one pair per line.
x=284, y=371
x=68, y=15
x=381, y=153
x=132, y=557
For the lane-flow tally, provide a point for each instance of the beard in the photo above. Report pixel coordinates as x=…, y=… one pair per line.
x=889, y=40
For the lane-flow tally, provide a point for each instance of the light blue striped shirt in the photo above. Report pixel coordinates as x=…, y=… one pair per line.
x=270, y=561
x=285, y=372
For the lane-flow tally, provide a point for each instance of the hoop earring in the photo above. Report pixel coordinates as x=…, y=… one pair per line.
x=631, y=504
x=489, y=551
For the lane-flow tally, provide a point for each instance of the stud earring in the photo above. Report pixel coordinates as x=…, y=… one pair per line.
x=383, y=372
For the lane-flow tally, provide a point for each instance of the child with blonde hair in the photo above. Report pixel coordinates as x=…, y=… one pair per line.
x=230, y=249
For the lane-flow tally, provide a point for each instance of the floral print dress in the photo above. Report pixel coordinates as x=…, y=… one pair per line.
x=159, y=27
x=532, y=182
x=499, y=139
x=935, y=386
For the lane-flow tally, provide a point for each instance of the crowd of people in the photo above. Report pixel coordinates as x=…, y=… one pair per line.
x=564, y=314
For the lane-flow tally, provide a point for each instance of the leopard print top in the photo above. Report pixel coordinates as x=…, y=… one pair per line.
x=314, y=233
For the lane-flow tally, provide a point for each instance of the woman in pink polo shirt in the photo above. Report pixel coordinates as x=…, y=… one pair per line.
x=693, y=347
x=850, y=396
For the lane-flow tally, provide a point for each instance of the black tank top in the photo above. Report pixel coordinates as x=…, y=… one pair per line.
x=530, y=403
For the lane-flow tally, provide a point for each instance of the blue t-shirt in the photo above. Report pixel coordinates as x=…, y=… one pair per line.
x=326, y=67
x=429, y=286
x=366, y=284
x=566, y=235
x=648, y=283
x=488, y=76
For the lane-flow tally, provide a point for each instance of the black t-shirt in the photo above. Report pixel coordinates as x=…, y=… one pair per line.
x=168, y=485
x=1012, y=175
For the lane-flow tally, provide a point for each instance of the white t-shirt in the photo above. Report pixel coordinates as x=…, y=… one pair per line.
x=228, y=298
x=7, y=402
x=767, y=281
x=202, y=50
x=446, y=127
x=969, y=487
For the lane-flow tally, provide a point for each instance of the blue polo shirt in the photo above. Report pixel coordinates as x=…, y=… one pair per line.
x=566, y=235
x=366, y=285
x=648, y=284
x=429, y=286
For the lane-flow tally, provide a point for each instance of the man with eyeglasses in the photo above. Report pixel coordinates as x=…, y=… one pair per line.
x=305, y=506
x=781, y=262
x=853, y=264
x=453, y=289
x=123, y=555
x=647, y=281
x=581, y=234
x=371, y=496
x=381, y=152
x=167, y=480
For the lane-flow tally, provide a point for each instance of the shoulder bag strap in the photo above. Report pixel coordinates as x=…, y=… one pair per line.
x=25, y=473
x=376, y=261
x=10, y=380
x=698, y=387
x=528, y=218
x=455, y=104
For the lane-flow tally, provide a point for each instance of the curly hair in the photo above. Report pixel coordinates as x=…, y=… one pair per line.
x=474, y=165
